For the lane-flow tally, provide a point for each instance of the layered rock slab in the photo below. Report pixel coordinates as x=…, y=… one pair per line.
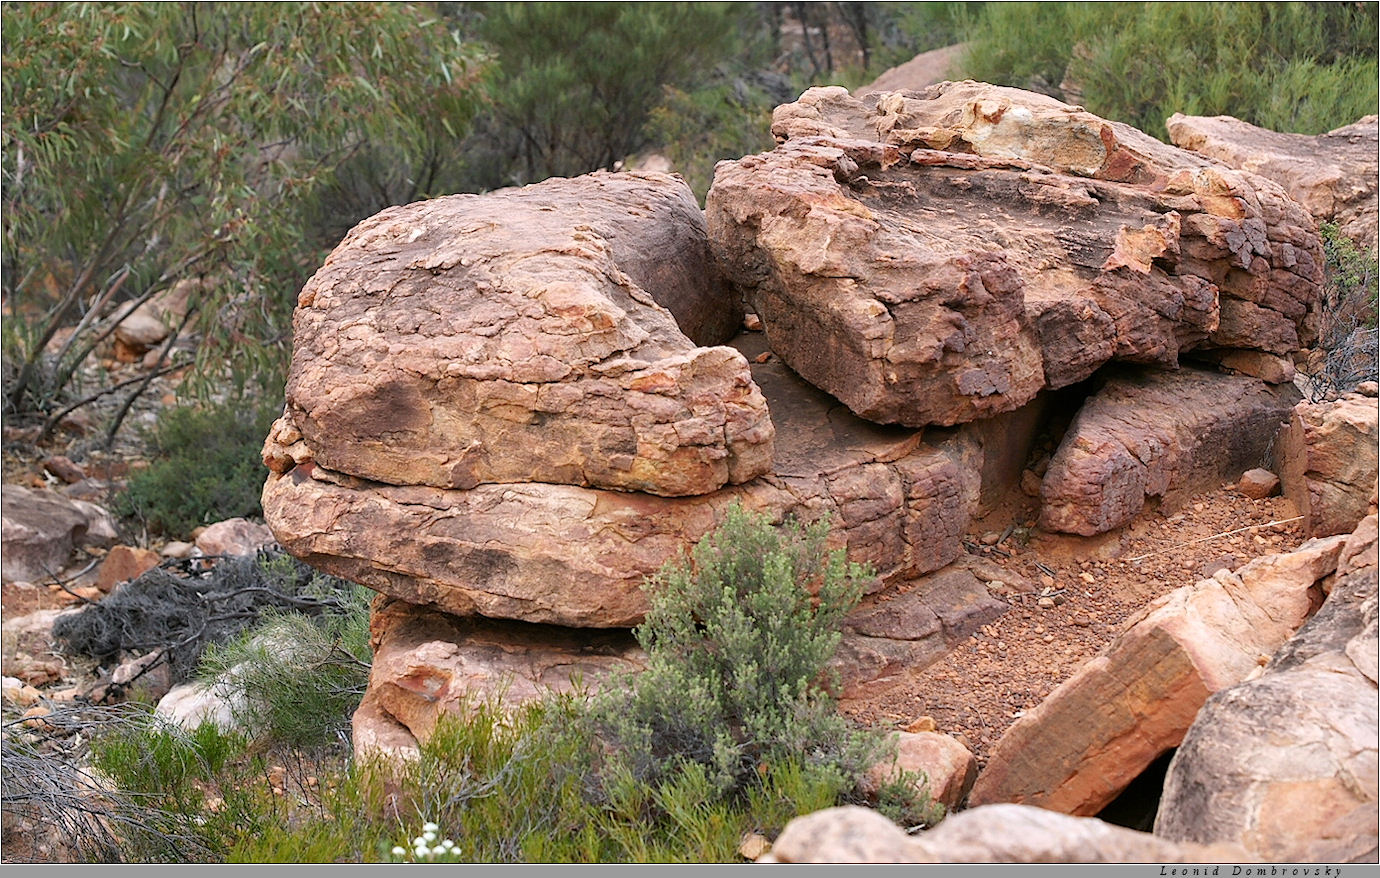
x=1148, y=433
x=542, y=334
x=567, y=555
x=1099, y=729
x=41, y=529
x=1286, y=764
x=1334, y=175
x=1329, y=461
x=909, y=627
x=429, y=664
x=939, y=256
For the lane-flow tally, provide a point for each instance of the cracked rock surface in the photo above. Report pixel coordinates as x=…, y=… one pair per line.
x=543, y=334
x=937, y=257
x=568, y=555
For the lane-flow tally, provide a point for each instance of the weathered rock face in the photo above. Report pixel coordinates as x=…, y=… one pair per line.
x=1103, y=726
x=909, y=627
x=567, y=555
x=1332, y=174
x=41, y=528
x=1328, y=462
x=937, y=257
x=428, y=664
x=234, y=536
x=989, y=834
x=949, y=768
x=1149, y=433
x=526, y=335
x=1286, y=764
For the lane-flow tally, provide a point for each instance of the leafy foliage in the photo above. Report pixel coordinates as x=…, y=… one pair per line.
x=1305, y=67
x=738, y=640
x=144, y=144
x=205, y=466
x=576, y=82
x=1347, y=337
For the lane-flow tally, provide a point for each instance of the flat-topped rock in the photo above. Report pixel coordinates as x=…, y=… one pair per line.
x=568, y=555
x=543, y=334
x=1333, y=175
x=1148, y=433
x=940, y=256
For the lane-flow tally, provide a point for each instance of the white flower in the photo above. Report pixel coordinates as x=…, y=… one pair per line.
x=399, y=851
x=430, y=827
x=418, y=842
x=437, y=851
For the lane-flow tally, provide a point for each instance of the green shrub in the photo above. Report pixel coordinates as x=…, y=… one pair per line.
x=1305, y=67
x=737, y=640
x=299, y=677
x=1346, y=316
x=206, y=466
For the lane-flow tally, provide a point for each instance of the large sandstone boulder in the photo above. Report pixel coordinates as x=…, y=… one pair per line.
x=1328, y=462
x=429, y=664
x=1103, y=726
x=1147, y=433
x=990, y=834
x=40, y=529
x=940, y=256
x=1334, y=175
x=542, y=334
x=1286, y=764
x=568, y=555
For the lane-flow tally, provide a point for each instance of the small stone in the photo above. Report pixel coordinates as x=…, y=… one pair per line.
x=752, y=323
x=997, y=586
x=1047, y=581
x=64, y=469
x=1030, y=483
x=1046, y=603
x=34, y=717
x=1060, y=600
x=1039, y=629
x=1049, y=638
x=753, y=846
x=991, y=538
x=1368, y=388
x=18, y=692
x=177, y=549
x=1081, y=620
x=1088, y=578
x=1258, y=484
x=764, y=357
x=923, y=724
x=123, y=563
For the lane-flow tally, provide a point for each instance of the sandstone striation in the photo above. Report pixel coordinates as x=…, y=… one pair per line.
x=526, y=335
x=428, y=664
x=909, y=627
x=1104, y=725
x=1333, y=175
x=940, y=256
x=1150, y=433
x=1286, y=764
x=568, y=555
x=1329, y=460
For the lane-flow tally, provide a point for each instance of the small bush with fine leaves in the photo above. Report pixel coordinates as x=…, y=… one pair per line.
x=738, y=638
